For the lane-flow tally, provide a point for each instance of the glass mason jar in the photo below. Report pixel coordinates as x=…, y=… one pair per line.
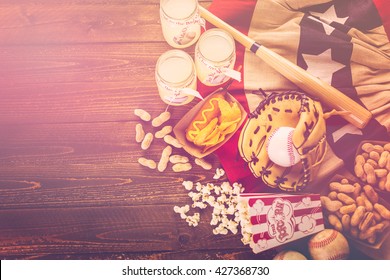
x=180, y=22
x=176, y=77
x=215, y=55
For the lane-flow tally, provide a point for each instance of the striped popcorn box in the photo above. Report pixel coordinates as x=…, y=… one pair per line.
x=276, y=219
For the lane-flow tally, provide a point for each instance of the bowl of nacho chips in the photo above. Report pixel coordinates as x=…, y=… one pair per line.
x=210, y=123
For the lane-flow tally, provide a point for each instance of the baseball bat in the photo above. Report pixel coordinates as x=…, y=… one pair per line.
x=330, y=96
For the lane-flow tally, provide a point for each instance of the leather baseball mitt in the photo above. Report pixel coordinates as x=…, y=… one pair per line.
x=289, y=109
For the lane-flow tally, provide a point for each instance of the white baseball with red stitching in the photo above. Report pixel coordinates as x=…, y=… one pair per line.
x=280, y=148
x=289, y=255
x=329, y=244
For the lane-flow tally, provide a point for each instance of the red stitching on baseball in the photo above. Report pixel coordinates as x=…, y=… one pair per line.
x=269, y=139
x=289, y=148
x=325, y=242
x=339, y=256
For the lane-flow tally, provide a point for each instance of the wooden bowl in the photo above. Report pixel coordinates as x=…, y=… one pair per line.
x=360, y=244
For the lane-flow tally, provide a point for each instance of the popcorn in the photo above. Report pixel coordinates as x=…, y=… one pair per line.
x=182, y=211
x=188, y=185
x=199, y=204
x=227, y=211
x=198, y=187
x=219, y=172
x=193, y=220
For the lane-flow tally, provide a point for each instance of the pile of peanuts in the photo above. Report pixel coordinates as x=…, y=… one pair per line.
x=372, y=165
x=356, y=210
x=179, y=163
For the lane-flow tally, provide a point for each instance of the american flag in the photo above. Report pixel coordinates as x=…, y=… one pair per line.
x=343, y=42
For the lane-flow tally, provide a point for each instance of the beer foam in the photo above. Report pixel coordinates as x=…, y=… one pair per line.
x=175, y=69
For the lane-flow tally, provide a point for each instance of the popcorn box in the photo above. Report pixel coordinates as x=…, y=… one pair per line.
x=277, y=219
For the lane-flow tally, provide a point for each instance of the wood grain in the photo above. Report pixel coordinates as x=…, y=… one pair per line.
x=58, y=22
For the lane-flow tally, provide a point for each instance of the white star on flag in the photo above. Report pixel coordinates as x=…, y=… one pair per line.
x=329, y=16
x=322, y=66
x=327, y=28
x=346, y=129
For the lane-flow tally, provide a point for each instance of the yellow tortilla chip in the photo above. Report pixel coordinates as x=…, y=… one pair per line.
x=213, y=139
x=230, y=129
x=205, y=132
x=229, y=112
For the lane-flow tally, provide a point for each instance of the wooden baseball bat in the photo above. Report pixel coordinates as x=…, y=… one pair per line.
x=330, y=96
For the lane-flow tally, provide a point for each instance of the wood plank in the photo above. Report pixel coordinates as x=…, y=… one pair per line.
x=105, y=229
x=235, y=254
x=59, y=22
x=86, y=164
x=74, y=83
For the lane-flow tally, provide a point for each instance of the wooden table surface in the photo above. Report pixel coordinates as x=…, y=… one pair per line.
x=71, y=75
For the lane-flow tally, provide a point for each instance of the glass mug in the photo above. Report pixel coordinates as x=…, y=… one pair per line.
x=180, y=22
x=215, y=55
x=176, y=78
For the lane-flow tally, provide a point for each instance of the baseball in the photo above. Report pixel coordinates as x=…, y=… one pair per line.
x=289, y=255
x=329, y=244
x=280, y=148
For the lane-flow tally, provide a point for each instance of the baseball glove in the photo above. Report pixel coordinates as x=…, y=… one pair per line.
x=289, y=109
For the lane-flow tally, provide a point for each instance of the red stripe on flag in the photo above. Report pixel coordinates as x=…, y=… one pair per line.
x=383, y=7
